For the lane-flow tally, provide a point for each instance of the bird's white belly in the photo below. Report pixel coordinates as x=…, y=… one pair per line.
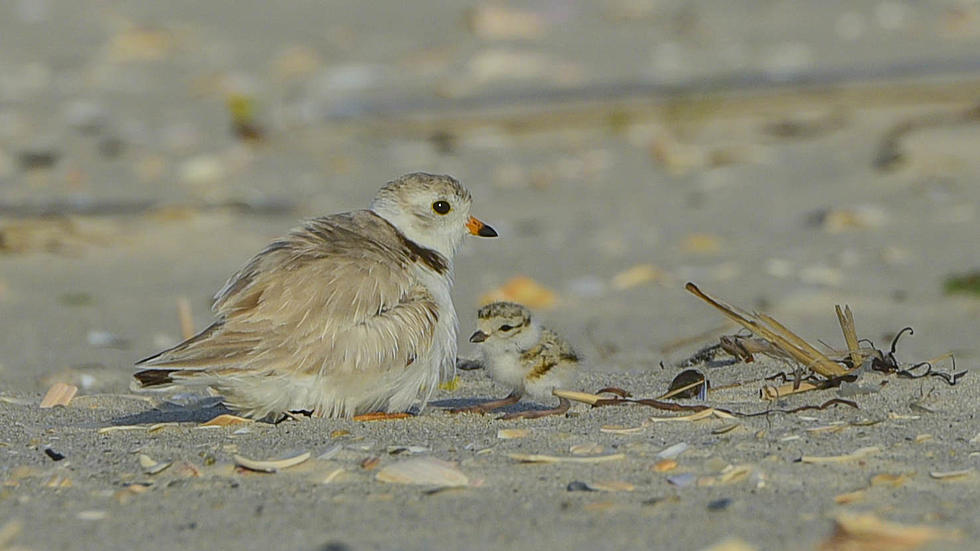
x=507, y=370
x=441, y=362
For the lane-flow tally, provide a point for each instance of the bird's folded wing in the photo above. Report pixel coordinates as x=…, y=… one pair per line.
x=323, y=299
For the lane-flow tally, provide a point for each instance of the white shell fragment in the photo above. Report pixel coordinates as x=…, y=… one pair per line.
x=946, y=475
x=425, y=471
x=270, y=465
x=508, y=434
x=152, y=466
x=858, y=454
x=673, y=451
x=540, y=458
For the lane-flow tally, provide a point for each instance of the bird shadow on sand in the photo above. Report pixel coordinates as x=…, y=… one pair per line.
x=459, y=403
x=194, y=412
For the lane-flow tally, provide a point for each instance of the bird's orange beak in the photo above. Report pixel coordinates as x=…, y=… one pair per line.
x=479, y=228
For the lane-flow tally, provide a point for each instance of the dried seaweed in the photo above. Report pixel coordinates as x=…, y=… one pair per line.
x=776, y=340
x=622, y=398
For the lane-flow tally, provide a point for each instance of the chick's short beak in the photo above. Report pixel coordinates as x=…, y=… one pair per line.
x=479, y=336
x=479, y=228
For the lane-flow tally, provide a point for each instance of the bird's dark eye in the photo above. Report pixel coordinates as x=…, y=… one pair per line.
x=505, y=328
x=442, y=207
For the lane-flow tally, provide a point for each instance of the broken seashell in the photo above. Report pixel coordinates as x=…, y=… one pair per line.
x=225, y=420
x=946, y=475
x=858, y=454
x=589, y=448
x=151, y=466
x=508, y=434
x=612, y=486
x=673, y=451
x=424, y=471
x=541, y=458
x=271, y=465
x=60, y=394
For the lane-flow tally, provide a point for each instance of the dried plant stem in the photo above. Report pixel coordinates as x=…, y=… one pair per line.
x=776, y=333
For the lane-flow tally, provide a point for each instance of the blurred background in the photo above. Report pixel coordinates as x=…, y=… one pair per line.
x=787, y=156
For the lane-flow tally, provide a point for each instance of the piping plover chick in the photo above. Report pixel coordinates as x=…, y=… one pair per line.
x=348, y=314
x=521, y=354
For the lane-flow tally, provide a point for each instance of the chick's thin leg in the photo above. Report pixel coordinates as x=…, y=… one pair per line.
x=563, y=405
x=487, y=407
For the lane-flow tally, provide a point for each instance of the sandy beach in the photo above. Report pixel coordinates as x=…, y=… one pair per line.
x=786, y=157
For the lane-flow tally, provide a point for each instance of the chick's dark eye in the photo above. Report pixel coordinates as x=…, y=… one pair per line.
x=505, y=328
x=442, y=207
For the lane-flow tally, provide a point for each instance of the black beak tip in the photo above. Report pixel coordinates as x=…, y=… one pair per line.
x=487, y=231
x=478, y=336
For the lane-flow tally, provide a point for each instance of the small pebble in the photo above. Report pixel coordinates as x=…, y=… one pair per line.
x=579, y=486
x=720, y=504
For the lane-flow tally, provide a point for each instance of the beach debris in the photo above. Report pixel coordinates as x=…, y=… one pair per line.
x=949, y=475
x=856, y=217
x=129, y=491
x=244, y=122
x=92, y=515
x=509, y=434
x=9, y=532
x=494, y=21
x=672, y=452
x=579, y=486
x=664, y=465
x=406, y=450
x=106, y=339
x=857, y=454
x=271, y=465
x=60, y=394
x=523, y=290
x=588, y=448
x=57, y=480
x=867, y=532
x=638, y=275
x=720, y=504
x=681, y=480
x=151, y=466
x=370, y=463
x=850, y=497
x=890, y=479
x=542, y=458
x=730, y=544
x=890, y=154
x=331, y=451
x=225, y=420
x=815, y=369
x=966, y=284
x=724, y=429
x=450, y=385
x=333, y=476
x=427, y=471
x=689, y=383
x=778, y=335
x=601, y=486
x=54, y=455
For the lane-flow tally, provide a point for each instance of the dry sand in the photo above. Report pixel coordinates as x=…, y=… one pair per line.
x=128, y=99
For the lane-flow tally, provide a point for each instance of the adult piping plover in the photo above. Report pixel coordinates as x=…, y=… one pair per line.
x=521, y=354
x=348, y=314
